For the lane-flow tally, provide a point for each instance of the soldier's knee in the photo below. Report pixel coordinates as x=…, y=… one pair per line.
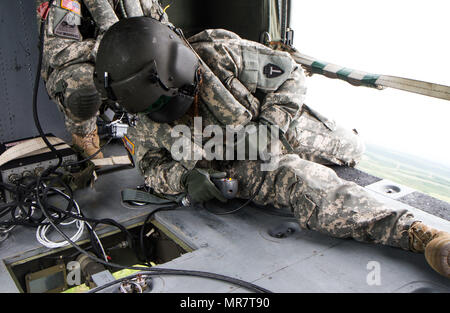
x=359, y=148
x=321, y=140
x=83, y=103
x=354, y=149
x=76, y=91
x=345, y=148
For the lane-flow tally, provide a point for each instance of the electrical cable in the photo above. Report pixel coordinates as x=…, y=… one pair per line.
x=36, y=90
x=42, y=230
x=258, y=189
x=141, y=233
x=160, y=271
x=164, y=11
x=98, y=241
x=44, y=206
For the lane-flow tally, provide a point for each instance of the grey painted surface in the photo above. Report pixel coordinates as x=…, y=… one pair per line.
x=390, y=189
x=7, y=284
x=18, y=61
x=239, y=246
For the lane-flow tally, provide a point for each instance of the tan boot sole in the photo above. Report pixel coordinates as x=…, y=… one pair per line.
x=437, y=254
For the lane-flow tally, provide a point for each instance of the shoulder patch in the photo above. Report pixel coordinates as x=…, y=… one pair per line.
x=67, y=28
x=272, y=70
x=72, y=6
x=128, y=144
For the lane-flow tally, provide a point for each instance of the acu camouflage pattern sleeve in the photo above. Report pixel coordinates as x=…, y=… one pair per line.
x=152, y=143
x=153, y=9
x=60, y=52
x=104, y=13
x=225, y=61
x=239, y=64
x=284, y=105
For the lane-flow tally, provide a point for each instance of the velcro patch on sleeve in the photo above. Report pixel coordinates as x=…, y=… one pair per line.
x=128, y=144
x=67, y=28
x=72, y=6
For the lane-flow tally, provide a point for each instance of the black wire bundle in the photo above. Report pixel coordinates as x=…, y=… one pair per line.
x=23, y=209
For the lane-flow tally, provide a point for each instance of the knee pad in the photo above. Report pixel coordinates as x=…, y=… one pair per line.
x=84, y=103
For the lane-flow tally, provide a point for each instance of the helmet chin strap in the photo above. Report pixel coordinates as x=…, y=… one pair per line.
x=179, y=104
x=199, y=82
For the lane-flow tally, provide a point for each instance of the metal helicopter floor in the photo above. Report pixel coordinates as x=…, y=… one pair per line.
x=240, y=245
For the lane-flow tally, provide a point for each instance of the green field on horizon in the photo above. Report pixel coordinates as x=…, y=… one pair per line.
x=423, y=175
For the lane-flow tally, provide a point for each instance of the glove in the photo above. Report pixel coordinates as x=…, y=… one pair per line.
x=81, y=179
x=199, y=186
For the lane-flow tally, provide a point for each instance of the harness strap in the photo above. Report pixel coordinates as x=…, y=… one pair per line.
x=360, y=78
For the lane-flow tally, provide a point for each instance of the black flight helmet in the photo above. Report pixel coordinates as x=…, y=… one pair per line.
x=147, y=67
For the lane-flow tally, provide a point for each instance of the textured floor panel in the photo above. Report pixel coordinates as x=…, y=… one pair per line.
x=428, y=204
x=355, y=175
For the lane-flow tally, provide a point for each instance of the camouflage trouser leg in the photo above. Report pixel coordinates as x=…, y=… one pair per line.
x=323, y=202
x=319, y=139
x=61, y=84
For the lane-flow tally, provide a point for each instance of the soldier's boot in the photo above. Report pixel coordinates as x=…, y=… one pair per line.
x=434, y=243
x=89, y=143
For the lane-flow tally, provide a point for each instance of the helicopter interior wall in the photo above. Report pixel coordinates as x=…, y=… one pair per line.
x=18, y=62
x=247, y=18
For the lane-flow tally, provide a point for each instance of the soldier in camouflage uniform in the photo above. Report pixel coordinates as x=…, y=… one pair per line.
x=72, y=34
x=244, y=82
x=320, y=200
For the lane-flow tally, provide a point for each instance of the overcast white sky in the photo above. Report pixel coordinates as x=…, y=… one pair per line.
x=406, y=38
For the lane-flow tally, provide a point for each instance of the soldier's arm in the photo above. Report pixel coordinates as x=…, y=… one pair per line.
x=63, y=52
x=161, y=172
x=225, y=61
x=242, y=66
x=282, y=106
x=63, y=41
x=151, y=145
x=105, y=16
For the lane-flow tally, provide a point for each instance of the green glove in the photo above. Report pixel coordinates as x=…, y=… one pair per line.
x=199, y=185
x=81, y=179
